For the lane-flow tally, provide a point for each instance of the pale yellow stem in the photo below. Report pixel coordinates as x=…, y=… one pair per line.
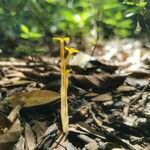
x=64, y=104
x=64, y=84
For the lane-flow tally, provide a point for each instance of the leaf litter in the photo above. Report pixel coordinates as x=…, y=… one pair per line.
x=109, y=102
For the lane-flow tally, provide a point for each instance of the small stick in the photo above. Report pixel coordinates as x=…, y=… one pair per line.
x=140, y=95
x=127, y=108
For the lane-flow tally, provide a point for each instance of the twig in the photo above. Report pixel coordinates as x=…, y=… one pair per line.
x=127, y=108
x=140, y=94
x=109, y=135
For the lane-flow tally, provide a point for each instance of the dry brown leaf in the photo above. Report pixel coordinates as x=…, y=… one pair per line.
x=135, y=81
x=29, y=137
x=20, y=144
x=84, y=60
x=14, y=113
x=102, y=98
x=39, y=127
x=14, y=74
x=92, y=145
x=10, y=137
x=4, y=123
x=84, y=63
x=140, y=74
x=104, y=66
x=98, y=82
x=126, y=88
x=33, y=98
x=13, y=82
x=52, y=131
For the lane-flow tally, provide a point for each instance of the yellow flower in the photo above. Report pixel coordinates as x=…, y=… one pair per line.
x=62, y=39
x=71, y=50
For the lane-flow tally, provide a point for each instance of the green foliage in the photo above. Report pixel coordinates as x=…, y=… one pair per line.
x=114, y=16
x=34, y=19
x=136, y=7
x=61, y=16
x=27, y=34
x=140, y=11
x=28, y=49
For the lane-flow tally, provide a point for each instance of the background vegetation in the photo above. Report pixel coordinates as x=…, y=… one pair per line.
x=26, y=25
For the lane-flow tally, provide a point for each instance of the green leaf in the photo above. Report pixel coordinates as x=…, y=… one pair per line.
x=24, y=28
x=31, y=35
x=129, y=3
x=35, y=35
x=130, y=14
x=24, y=36
x=141, y=4
x=122, y=32
x=50, y=1
x=110, y=21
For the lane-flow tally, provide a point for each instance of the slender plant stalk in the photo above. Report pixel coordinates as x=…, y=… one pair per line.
x=64, y=82
x=64, y=103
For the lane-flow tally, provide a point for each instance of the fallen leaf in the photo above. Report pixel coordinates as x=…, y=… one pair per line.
x=39, y=127
x=10, y=137
x=29, y=137
x=83, y=62
x=105, y=67
x=4, y=123
x=49, y=136
x=98, y=82
x=92, y=145
x=125, y=88
x=91, y=94
x=102, y=98
x=81, y=59
x=137, y=82
x=70, y=146
x=140, y=74
x=20, y=144
x=33, y=98
x=13, y=82
x=14, y=113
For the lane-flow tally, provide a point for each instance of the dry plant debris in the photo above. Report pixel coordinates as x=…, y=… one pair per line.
x=108, y=103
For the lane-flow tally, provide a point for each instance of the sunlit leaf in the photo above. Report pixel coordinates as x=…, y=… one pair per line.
x=33, y=98
x=50, y=1
x=31, y=35
x=24, y=28
x=141, y=4
x=110, y=21
x=130, y=14
x=129, y=3
x=122, y=32
x=35, y=35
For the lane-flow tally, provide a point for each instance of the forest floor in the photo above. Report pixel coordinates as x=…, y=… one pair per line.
x=108, y=96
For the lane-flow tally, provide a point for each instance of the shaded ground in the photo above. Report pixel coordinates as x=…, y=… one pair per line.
x=109, y=100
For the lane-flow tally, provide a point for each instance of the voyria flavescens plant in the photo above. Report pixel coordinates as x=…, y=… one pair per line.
x=64, y=80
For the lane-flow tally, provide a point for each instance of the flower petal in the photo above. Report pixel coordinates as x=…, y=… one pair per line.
x=71, y=50
x=62, y=39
